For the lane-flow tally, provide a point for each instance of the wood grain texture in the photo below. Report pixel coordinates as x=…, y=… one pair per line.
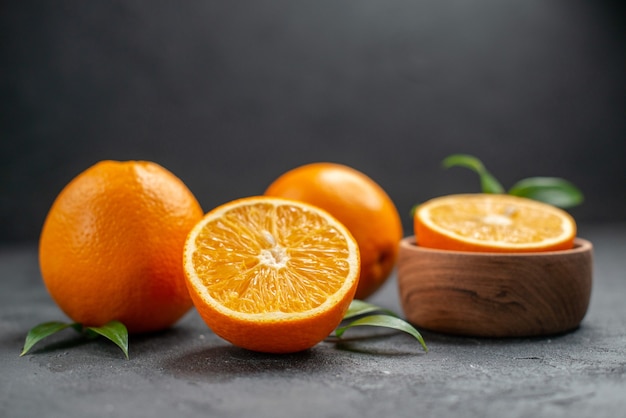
x=495, y=295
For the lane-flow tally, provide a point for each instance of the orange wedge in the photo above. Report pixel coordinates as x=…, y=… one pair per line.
x=270, y=274
x=492, y=223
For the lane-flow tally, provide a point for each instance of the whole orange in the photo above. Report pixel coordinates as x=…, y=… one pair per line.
x=112, y=242
x=360, y=204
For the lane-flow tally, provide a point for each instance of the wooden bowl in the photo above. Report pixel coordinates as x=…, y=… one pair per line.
x=495, y=294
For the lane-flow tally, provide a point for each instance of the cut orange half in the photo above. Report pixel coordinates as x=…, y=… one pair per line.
x=270, y=274
x=492, y=223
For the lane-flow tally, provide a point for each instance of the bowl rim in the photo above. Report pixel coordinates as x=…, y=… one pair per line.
x=581, y=245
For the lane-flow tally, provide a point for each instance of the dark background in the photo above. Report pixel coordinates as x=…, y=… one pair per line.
x=230, y=94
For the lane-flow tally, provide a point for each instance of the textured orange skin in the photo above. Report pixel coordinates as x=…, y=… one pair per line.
x=111, y=244
x=360, y=204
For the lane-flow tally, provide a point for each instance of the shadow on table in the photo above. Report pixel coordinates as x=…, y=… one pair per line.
x=436, y=339
x=226, y=362
x=219, y=360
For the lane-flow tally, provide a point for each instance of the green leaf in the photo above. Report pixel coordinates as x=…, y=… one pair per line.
x=42, y=331
x=359, y=307
x=464, y=160
x=114, y=331
x=488, y=182
x=386, y=321
x=552, y=190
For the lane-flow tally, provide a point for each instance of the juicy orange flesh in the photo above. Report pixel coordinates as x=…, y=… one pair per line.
x=253, y=260
x=497, y=221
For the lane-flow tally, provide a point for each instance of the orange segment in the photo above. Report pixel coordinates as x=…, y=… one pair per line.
x=271, y=274
x=493, y=222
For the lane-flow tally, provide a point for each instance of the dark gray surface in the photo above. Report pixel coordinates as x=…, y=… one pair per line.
x=188, y=371
x=228, y=95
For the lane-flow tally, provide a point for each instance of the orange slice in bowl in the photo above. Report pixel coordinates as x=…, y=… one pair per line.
x=492, y=223
x=270, y=274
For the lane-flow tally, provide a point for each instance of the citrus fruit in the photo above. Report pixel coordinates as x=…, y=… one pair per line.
x=270, y=274
x=492, y=223
x=360, y=204
x=111, y=244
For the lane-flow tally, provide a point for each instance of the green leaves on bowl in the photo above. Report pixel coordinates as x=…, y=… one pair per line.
x=552, y=190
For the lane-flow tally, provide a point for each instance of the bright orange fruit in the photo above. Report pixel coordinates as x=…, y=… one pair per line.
x=492, y=223
x=270, y=274
x=360, y=204
x=111, y=244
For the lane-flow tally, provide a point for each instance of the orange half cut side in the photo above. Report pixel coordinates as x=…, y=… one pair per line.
x=493, y=223
x=270, y=274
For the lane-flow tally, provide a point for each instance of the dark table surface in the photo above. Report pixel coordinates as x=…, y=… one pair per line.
x=188, y=371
